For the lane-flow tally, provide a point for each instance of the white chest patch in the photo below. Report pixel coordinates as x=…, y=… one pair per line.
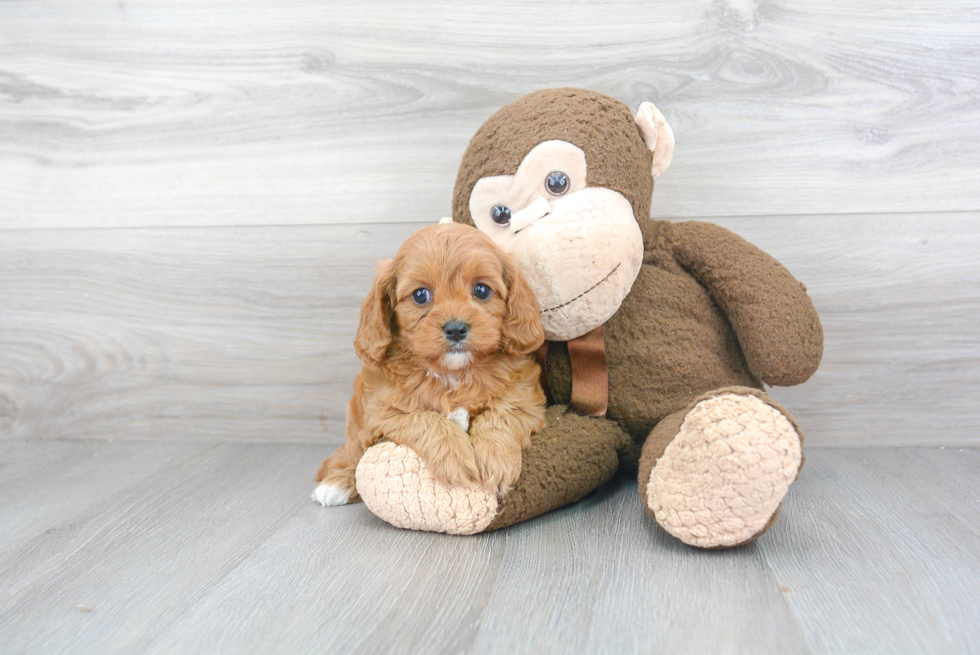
x=451, y=381
x=456, y=361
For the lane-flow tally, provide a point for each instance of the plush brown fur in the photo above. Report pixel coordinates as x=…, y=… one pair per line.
x=707, y=311
x=409, y=386
x=591, y=453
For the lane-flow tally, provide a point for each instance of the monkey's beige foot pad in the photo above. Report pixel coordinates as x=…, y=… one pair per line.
x=398, y=488
x=724, y=475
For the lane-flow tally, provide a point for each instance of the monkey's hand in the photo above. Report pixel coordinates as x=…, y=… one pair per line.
x=773, y=317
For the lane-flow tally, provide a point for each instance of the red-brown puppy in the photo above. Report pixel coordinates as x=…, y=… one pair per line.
x=444, y=335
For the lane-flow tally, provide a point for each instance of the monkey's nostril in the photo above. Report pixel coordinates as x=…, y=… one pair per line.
x=455, y=330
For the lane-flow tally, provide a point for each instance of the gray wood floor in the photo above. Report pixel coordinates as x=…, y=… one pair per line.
x=167, y=547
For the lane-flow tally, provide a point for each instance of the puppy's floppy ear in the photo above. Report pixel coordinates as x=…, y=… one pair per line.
x=522, y=332
x=374, y=332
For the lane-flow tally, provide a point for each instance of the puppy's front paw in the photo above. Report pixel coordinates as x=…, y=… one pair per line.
x=398, y=487
x=499, y=464
x=330, y=495
x=453, y=462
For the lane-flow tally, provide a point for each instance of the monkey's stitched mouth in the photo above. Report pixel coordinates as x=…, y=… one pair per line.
x=584, y=293
x=516, y=232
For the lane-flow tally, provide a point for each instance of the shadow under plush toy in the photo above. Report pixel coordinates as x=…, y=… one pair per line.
x=660, y=335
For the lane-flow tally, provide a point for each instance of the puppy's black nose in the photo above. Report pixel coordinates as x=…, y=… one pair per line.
x=455, y=330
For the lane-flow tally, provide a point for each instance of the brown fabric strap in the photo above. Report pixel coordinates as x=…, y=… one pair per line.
x=541, y=356
x=590, y=377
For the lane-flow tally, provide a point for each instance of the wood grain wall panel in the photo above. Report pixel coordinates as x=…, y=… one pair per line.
x=247, y=112
x=228, y=333
x=245, y=333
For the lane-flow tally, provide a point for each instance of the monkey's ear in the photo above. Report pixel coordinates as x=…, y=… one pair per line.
x=374, y=332
x=522, y=332
x=657, y=135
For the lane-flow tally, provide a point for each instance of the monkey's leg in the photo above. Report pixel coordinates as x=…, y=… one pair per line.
x=714, y=475
x=570, y=457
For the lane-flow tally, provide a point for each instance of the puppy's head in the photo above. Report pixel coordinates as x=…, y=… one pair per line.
x=451, y=297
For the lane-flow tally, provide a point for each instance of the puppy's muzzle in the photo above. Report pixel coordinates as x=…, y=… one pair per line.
x=455, y=331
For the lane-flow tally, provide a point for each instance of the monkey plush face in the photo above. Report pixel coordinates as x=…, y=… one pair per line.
x=582, y=243
x=570, y=209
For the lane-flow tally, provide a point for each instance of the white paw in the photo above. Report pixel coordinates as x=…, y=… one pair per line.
x=330, y=495
x=461, y=418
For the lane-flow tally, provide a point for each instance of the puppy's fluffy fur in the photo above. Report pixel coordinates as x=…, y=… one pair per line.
x=468, y=407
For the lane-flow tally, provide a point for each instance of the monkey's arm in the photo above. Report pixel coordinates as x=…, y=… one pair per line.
x=769, y=310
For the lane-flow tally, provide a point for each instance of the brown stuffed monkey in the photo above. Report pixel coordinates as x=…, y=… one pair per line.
x=660, y=335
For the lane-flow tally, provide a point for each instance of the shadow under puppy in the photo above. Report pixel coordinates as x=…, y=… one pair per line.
x=444, y=336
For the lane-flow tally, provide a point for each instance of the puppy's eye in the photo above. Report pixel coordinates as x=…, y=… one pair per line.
x=557, y=183
x=421, y=296
x=482, y=291
x=500, y=215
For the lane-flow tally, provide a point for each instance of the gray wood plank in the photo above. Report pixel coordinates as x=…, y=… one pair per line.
x=947, y=480
x=65, y=477
x=176, y=113
x=876, y=551
x=131, y=565
x=602, y=577
x=23, y=458
x=595, y=577
x=877, y=556
x=340, y=580
x=242, y=334
x=246, y=333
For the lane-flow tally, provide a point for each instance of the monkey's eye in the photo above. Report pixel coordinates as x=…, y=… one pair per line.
x=500, y=215
x=557, y=183
x=482, y=291
x=421, y=296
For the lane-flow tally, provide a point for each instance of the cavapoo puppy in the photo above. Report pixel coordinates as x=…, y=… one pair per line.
x=444, y=335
